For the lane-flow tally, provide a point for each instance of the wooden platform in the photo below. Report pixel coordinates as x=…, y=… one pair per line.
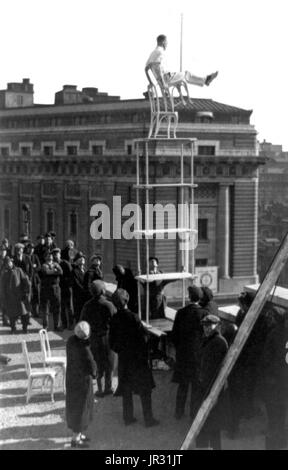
x=278, y=296
x=229, y=312
x=164, y=277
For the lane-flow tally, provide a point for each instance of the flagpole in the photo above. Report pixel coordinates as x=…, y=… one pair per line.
x=181, y=42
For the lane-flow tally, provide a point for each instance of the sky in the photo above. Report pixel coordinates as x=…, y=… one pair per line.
x=105, y=44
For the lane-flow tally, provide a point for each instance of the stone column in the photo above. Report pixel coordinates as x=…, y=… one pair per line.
x=223, y=229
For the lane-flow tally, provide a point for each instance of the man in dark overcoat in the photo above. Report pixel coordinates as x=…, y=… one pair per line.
x=186, y=336
x=246, y=372
x=98, y=312
x=78, y=288
x=35, y=280
x=3, y=254
x=15, y=288
x=81, y=369
x=50, y=294
x=212, y=352
x=128, y=339
x=274, y=380
x=67, y=316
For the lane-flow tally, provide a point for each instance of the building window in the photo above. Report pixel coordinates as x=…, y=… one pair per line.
x=6, y=222
x=25, y=151
x=97, y=149
x=4, y=151
x=49, y=220
x=202, y=229
x=48, y=150
x=206, y=149
x=201, y=262
x=129, y=149
x=73, y=224
x=19, y=100
x=71, y=149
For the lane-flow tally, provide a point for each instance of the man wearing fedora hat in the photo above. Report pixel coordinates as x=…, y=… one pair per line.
x=212, y=352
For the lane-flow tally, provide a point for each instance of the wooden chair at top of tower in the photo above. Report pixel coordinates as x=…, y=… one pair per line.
x=164, y=119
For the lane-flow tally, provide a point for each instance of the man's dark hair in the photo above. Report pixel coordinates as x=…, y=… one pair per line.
x=161, y=38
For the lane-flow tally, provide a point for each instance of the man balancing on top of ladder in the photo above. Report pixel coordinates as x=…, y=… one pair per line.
x=155, y=62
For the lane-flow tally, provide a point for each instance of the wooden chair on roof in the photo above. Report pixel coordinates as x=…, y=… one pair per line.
x=164, y=118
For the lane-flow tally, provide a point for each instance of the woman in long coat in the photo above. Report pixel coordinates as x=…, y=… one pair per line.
x=15, y=288
x=81, y=369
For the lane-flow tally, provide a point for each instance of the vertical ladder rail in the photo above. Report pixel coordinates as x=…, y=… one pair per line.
x=147, y=215
x=137, y=228
x=182, y=221
x=191, y=247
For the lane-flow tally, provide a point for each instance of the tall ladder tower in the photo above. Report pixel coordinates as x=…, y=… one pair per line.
x=183, y=149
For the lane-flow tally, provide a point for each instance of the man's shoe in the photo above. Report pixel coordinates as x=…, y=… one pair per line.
x=210, y=78
x=108, y=391
x=79, y=444
x=99, y=394
x=130, y=421
x=85, y=438
x=152, y=422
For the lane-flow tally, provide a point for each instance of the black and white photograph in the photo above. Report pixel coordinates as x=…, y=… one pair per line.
x=143, y=227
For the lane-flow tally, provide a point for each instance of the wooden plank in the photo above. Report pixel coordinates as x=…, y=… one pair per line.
x=243, y=333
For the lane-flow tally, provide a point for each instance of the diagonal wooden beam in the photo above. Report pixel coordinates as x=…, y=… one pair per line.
x=243, y=333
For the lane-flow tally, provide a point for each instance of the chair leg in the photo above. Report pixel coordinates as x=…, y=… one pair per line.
x=29, y=389
x=169, y=127
x=64, y=380
x=52, y=389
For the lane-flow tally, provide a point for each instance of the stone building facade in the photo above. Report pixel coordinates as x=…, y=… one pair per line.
x=62, y=159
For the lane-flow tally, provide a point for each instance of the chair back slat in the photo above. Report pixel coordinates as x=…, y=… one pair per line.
x=45, y=345
x=26, y=358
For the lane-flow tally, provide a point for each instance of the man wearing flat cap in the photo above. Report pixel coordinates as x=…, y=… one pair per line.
x=98, y=312
x=212, y=352
x=128, y=339
x=186, y=336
